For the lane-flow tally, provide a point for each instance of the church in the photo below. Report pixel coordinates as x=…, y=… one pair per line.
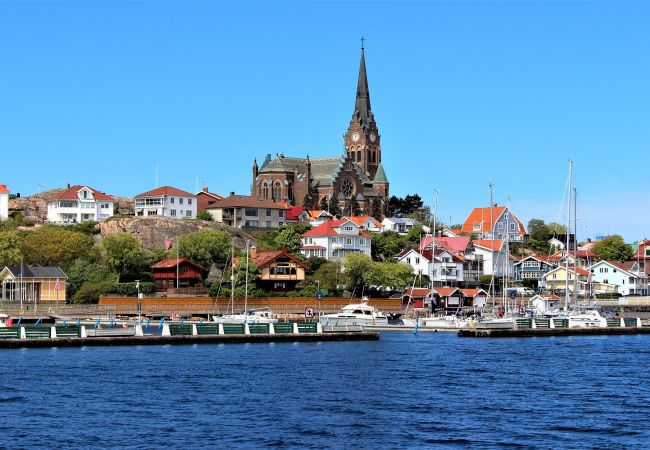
x=357, y=174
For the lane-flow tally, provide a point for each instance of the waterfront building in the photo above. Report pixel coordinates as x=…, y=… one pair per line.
x=497, y=222
x=627, y=276
x=176, y=272
x=4, y=202
x=206, y=199
x=533, y=267
x=447, y=268
x=79, y=203
x=333, y=239
x=367, y=223
x=33, y=284
x=503, y=261
x=555, y=279
x=280, y=270
x=358, y=173
x=166, y=201
x=401, y=225
x=247, y=211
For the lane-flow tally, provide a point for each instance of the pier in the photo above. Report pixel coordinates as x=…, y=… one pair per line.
x=542, y=332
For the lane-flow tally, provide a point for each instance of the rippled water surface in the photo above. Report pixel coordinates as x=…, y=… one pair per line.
x=404, y=391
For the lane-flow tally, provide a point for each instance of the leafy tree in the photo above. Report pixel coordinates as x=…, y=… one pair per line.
x=556, y=228
x=614, y=248
x=413, y=236
x=400, y=207
x=386, y=245
x=308, y=202
x=90, y=292
x=89, y=227
x=57, y=246
x=300, y=227
x=205, y=247
x=330, y=277
x=456, y=226
x=389, y=275
x=83, y=272
x=376, y=209
x=538, y=235
x=356, y=265
x=315, y=263
x=240, y=273
x=204, y=215
x=122, y=253
x=322, y=204
x=10, y=244
x=333, y=206
x=290, y=239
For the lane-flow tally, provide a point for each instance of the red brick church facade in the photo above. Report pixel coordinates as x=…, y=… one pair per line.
x=357, y=173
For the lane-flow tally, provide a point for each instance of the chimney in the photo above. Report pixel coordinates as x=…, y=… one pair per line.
x=205, y=189
x=68, y=185
x=589, y=240
x=232, y=192
x=253, y=251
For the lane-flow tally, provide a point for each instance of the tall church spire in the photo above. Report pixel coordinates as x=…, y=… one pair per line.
x=362, y=102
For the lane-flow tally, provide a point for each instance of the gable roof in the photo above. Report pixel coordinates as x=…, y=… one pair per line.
x=361, y=220
x=4, y=190
x=165, y=190
x=36, y=272
x=210, y=194
x=294, y=212
x=316, y=213
x=327, y=228
x=71, y=193
x=473, y=292
x=481, y=217
x=446, y=291
x=417, y=292
x=579, y=271
x=625, y=266
x=247, y=201
x=487, y=244
x=264, y=258
x=168, y=263
x=455, y=244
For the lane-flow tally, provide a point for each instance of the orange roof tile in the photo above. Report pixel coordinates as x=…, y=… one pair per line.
x=487, y=243
x=3, y=189
x=71, y=194
x=165, y=190
x=327, y=228
x=168, y=263
x=481, y=217
x=446, y=291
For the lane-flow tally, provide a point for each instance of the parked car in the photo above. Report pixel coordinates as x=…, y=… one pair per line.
x=525, y=291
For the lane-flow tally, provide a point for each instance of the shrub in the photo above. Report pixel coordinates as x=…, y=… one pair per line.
x=204, y=215
x=90, y=292
x=130, y=289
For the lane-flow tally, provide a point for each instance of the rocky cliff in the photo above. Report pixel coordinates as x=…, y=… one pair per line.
x=152, y=232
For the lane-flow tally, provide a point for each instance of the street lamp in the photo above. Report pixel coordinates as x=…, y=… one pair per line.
x=139, y=304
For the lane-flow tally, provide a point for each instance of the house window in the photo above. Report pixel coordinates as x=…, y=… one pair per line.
x=265, y=190
x=647, y=251
x=279, y=285
x=281, y=213
x=362, y=241
x=251, y=223
x=189, y=201
x=349, y=229
x=512, y=227
x=348, y=241
x=64, y=204
x=408, y=260
x=477, y=227
x=268, y=213
x=180, y=200
x=500, y=226
x=277, y=191
x=188, y=213
x=631, y=280
x=104, y=206
x=335, y=240
x=268, y=224
x=172, y=212
x=171, y=200
x=85, y=194
x=251, y=212
x=555, y=276
x=417, y=260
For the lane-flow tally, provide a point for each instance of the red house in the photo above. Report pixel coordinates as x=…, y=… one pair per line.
x=174, y=273
x=206, y=199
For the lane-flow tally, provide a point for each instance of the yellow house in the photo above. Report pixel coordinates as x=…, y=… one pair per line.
x=556, y=278
x=279, y=269
x=33, y=284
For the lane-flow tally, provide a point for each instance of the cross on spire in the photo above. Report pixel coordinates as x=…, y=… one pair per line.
x=362, y=41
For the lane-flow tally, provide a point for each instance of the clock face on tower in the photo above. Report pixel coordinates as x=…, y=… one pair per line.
x=355, y=136
x=372, y=137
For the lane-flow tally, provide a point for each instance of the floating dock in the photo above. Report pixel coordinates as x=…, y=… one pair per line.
x=541, y=332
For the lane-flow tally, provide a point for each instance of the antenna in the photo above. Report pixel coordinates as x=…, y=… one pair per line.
x=157, y=167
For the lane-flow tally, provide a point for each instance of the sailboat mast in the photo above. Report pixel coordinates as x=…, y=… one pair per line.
x=575, y=244
x=491, y=288
x=246, y=285
x=433, y=239
x=232, y=277
x=568, y=227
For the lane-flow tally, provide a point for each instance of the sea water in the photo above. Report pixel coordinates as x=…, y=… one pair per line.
x=403, y=391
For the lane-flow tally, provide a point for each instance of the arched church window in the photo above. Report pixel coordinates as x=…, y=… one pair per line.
x=277, y=191
x=265, y=190
x=347, y=187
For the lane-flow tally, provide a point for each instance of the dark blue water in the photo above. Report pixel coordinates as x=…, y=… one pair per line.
x=404, y=391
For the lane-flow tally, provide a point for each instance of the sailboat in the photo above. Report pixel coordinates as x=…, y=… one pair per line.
x=250, y=316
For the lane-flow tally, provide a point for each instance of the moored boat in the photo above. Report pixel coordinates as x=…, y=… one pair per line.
x=355, y=314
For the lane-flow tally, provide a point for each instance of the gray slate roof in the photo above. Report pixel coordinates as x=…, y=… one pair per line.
x=37, y=272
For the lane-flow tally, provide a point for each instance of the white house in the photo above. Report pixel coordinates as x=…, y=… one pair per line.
x=79, y=204
x=401, y=225
x=503, y=262
x=334, y=239
x=497, y=222
x=166, y=201
x=625, y=275
x=447, y=267
x=4, y=202
x=367, y=223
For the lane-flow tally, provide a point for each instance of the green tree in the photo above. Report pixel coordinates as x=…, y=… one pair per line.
x=122, y=253
x=205, y=247
x=289, y=239
x=556, y=228
x=352, y=207
x=330, y=277
x=333, y=206
x=83, y=272
x=413, y=236
x=240, y=273
x=57, y=246
x=204, y=215
x=376, y=209
x=308, y=202
x=613, y=248
x=390, y=276
x=322, y=204
x=538, y=235
x=357, y=266
x=386, y=245
x=10, y=245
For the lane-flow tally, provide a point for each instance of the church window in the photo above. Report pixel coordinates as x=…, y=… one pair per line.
x=265, y=190
x=347, y=187
x=359, y=156
x=277, y=191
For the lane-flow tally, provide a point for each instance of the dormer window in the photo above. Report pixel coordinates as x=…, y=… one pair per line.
x=85, y=194
x=477, y=227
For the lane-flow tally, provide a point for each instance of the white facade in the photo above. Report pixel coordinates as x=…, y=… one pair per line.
x=445, y=269
x=503, y=265
x=334, y=239
x=400, y=225
x=627, y=282
x=81, y=206
x=174, y=206
x=4, y=204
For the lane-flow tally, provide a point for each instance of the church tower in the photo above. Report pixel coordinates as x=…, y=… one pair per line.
x=362, y=140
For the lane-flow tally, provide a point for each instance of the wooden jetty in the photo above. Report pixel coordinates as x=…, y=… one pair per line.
x=541, y=332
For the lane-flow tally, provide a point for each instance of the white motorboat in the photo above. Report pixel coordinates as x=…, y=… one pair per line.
x=495, y=323
x=264, y=315
x=355, y=314
x=586, y=318
x=449, y=321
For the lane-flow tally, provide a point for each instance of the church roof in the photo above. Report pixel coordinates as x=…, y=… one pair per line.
x=380, y=175
x=362, y=111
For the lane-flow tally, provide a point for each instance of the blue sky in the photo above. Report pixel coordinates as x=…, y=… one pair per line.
x=102, y=93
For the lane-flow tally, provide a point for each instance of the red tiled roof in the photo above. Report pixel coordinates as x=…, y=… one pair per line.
x=264, y=258
x=3, y=189
x=446, y=291
x=481, y=216
x=361, y=220
x=168, y=263
x=294, y=211
x=210, y=194
x=71, y=194
x=487, y=243
x=317, y=212
x=417, y=292
x=313, y=247
x=327, y=228
x=247, y=201
x=453, y=244
x=165, y=190
x=473, y=292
